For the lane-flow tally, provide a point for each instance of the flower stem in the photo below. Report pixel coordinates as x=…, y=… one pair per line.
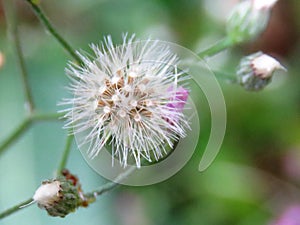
x=111, y=185
x=65, y=155
x=45, y=21
x=12, y=27
x=46, y=116
x=16, y=134
x=25, y=124
x=217, y=47
x=15, y=208
x=231, y=78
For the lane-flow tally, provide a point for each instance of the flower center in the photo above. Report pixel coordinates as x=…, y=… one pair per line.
x=125, y=96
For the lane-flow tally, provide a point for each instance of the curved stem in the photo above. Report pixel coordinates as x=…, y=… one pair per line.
x=66, y=154
x=216, y=48
x=11, y=21
x=15, y=208
x=40, y=14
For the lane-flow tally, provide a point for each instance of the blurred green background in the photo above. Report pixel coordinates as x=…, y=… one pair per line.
x=255, y=176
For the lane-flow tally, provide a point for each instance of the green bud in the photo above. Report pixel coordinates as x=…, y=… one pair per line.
x=249, y=19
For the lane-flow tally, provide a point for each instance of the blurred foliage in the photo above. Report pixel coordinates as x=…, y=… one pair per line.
x=247, y=184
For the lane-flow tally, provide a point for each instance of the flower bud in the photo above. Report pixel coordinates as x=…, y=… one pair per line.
x=249, y=19
x=60, y=196
x=255, y=71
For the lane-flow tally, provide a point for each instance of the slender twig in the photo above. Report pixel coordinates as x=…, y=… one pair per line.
x=46, y=116
x=12, y=27
x=230, y=78
x=216, y=48
x=15, y=208
x=65, y=154
x=111, y=185
x=42, y=17
x=15, y=134
x=24, y=125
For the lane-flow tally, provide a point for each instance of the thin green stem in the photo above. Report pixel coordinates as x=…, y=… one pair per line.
x=25, y=124
x=216, y=48
x=65, y=154
x=12, y=27
x=46, y=116
x=15, y=208
x=225, y=76
x=15, y=134
x=111, y=185
x=42, y=17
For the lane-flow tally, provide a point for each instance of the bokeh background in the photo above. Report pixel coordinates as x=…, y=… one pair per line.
x=255, y=178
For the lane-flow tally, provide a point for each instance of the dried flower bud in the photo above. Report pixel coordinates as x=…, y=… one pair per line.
x=255, y=71
x=60, y=196
x=248, y=19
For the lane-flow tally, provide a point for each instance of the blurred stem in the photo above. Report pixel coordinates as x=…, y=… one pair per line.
x=25, y=124
x=91, y=197
x=231, y=78
x=46, y=116
x=15, y=208
x=40, y=14
x=65, y=154
x=111, y=185
x=217, y=47
x=12, y=27
x=15, y=134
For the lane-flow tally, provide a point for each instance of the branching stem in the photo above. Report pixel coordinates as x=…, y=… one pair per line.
x=45, y=21
x=24, y=125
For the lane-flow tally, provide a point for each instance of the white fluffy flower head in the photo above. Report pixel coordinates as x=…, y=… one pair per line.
x=127, y=97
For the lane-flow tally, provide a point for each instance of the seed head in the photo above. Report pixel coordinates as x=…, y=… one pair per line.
x=124, y=96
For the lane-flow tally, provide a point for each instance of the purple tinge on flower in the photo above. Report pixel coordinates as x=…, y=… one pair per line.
x=291, y=216
x=177, y=103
